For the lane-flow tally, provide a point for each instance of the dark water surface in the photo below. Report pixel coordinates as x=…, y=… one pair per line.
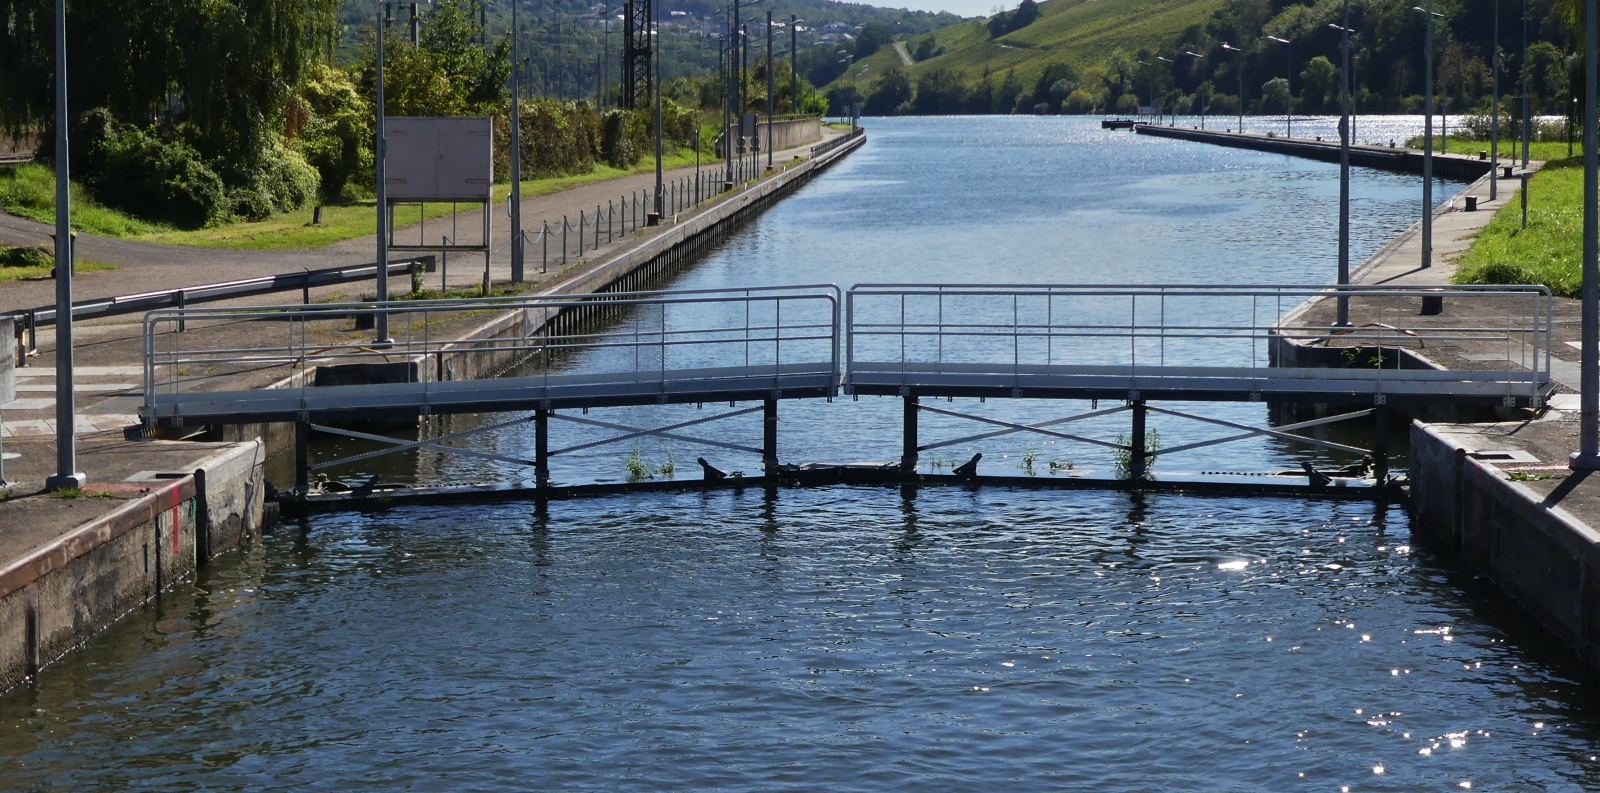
x=861, y=638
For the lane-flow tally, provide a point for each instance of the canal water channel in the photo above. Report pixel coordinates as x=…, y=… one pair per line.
x=863, y=638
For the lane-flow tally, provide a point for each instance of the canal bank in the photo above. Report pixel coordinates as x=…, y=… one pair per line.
x=156, y=509
x=1388, y=158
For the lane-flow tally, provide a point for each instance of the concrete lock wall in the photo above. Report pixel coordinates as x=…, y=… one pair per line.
x=64, y=592
x=785, y=134
x=1540, y=555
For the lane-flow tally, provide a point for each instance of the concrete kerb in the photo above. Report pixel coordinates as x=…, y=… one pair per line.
x=59, y=595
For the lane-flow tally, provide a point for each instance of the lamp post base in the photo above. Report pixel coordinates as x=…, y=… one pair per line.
x=1579, y=462
x=71, y=481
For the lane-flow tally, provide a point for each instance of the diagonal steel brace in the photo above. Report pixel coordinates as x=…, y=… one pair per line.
x=1281, y=432
x=1024, y=427
x=400, y=446
x=997, y=433
x=664, y=432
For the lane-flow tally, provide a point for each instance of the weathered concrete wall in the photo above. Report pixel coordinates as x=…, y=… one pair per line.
x=62, y=593
x=785, y=134
x=1539, y=554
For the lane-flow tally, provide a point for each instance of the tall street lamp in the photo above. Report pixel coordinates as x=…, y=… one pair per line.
x=659, y=208
x=1231, y=48
x=516, y=150
x=771, y=88
x=66, y=476
x=1427, y=137
x=1288, y=109
x=1494, y=130
x=1174, y=102
x=1588, y=456
x=1343, y=318
x=1197, y=90
x=794, y=63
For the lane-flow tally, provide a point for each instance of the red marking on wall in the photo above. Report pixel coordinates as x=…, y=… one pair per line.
x=175, y=503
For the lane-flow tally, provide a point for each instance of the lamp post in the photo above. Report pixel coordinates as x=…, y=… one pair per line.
x=1494, y=129
x=1174, y=101
x=1588, y=456
x=1197, y=90
x=771, y=88
x=1288, y=109
x=1152, y=85
x=1231, y=48
x=516, y=152
x=659, y=207
x=794, y=63
x=66, y=476
x=1427, y=138
x=1343, y=318
x=1526, y=105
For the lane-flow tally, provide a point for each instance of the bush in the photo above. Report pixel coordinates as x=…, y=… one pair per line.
x=26, y=256
x=1079, y=101
x=148, y=175
x=336, y=135
x=624, y=138
x=277, y=182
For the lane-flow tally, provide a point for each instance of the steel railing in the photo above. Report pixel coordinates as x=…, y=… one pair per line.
x=654, y=339
x=1176, y=333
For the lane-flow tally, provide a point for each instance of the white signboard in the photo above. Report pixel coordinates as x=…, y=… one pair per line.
x=439, y=158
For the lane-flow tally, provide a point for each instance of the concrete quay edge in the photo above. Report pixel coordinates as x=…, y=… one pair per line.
x=62, y=593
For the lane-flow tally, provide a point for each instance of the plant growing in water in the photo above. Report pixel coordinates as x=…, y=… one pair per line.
x=668, y=468
x=1029, y=455
x=1057, y=466
x=1123, y=456
x=638, y=469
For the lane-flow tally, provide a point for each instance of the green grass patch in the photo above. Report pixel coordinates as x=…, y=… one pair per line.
x=1537, y=150
x=33, y=262
x=1549, y=250
x=28, y=190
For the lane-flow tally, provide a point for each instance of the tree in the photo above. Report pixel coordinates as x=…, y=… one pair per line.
x=1320, y=82
x=872, y=38
x=892, y=91
x=1275, y=95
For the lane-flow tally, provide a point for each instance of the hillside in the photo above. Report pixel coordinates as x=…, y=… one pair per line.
x=1115, y=55
x=1082, y=33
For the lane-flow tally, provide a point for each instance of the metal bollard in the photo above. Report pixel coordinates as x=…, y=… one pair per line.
x=563, y=239
x=1524, y=192
x=596, y=226
x=611, y=220
x=544, y=242
x=580, y=234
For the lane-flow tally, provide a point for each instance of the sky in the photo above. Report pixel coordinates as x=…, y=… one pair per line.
x=966, y=8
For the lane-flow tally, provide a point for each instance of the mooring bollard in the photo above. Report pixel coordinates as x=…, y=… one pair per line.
x=1432, y=304
x=1472, y=203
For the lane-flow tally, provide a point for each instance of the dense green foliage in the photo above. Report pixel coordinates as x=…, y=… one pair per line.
x=1002, y=23
x=178, y=106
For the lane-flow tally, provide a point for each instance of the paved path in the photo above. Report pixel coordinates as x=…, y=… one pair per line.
x=905, y=58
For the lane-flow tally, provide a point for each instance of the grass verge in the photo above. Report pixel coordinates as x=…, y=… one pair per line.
x=29, y=191
x=1549, y=250
x=1547, y=151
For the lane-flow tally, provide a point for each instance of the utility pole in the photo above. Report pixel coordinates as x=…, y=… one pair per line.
x=66, y=476
x=725, y=58
x=1588, y=456
x=516, y=151
x=1228, y=46
x=381, y=146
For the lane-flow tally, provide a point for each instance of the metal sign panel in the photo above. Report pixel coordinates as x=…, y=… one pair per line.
x=439, y=158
